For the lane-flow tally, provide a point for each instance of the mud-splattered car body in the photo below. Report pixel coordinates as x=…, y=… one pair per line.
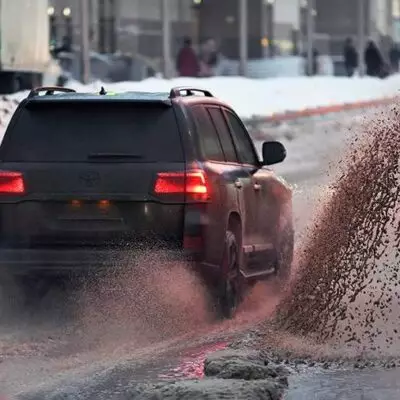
x=87, y=177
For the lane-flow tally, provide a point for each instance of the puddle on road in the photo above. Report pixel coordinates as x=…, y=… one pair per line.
x=191, y=365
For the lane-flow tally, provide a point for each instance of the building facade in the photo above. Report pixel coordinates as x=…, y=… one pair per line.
x=135, y=26
x=128, y=26
x=274, y=26
x=339, y=19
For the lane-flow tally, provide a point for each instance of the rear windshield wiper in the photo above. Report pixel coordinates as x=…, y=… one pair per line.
x=113, y=156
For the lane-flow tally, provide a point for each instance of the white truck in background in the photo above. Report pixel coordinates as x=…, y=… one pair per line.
x=25, y=59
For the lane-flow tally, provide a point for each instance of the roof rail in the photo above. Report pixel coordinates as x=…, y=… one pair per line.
x=50, y=90
x=176, y=91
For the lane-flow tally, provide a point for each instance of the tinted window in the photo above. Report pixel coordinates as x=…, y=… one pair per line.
x=242, y=140
x=207, y=135
x=224, y=134
x=73, y=132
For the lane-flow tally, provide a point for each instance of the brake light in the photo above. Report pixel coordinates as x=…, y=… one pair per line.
x=191, y=183
x=11, y=182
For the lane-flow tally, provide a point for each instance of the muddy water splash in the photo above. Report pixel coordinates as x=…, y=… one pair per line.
x=150, y=299
x=348, y=278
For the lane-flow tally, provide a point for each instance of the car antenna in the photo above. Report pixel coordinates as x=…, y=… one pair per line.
x=103, y=91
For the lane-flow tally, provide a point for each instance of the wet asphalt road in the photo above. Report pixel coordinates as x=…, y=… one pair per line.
x=188, y=364
x=346, y=385
x=186, y=361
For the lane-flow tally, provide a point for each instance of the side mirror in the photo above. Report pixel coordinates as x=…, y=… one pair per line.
x=273, y=152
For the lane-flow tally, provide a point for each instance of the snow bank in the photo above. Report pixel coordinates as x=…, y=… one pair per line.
x=252, y=97
x=264, y=97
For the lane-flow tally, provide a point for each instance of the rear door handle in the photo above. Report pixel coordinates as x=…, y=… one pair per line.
x=238, y=184
x=257, y=186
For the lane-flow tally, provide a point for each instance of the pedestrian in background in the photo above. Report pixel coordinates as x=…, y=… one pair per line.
x=394, y=57
x=209, y=58
x=350, y=57
x=187, y=62
x=373, y=60
x=314, y=63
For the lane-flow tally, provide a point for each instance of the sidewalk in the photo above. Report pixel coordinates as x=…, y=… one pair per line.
x=265, y=101
x=261, y=98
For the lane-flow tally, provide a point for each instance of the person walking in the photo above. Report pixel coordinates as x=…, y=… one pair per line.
x=373, y=60
x=394, y=57
x=314, y=63
x=209, y=58
x=350, y=57
x=187, y=63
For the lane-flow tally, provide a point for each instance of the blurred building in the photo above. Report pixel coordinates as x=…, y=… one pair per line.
x=275, y=26
x=337, y=20
x=129, y=26
x=134, y=26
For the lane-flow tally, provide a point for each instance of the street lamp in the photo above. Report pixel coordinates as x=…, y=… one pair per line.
x=68, y=23
x=311, y=12
x=53, y=26
x=269, y=21
x=361, y=35
x=67, y=12
x=243, y=37
x=166, y=38
x=85, y=46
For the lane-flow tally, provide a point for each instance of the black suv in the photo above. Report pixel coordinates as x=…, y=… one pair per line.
x=84, y=175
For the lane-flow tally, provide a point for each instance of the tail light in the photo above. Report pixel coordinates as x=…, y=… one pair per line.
x=12, y=183
x=191, y=183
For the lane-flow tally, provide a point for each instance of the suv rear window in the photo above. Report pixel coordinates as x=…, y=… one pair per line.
x=78, y=132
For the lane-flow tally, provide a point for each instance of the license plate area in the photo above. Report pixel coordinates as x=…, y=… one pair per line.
x=90, y=215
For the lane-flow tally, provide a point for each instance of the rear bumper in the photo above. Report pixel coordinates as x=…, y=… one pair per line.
x=81, y=261
x=22, y=261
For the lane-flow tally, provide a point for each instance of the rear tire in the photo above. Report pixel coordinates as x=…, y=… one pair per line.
x=229, y=286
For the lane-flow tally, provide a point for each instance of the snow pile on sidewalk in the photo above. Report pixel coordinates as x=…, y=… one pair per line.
x=252, y=97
